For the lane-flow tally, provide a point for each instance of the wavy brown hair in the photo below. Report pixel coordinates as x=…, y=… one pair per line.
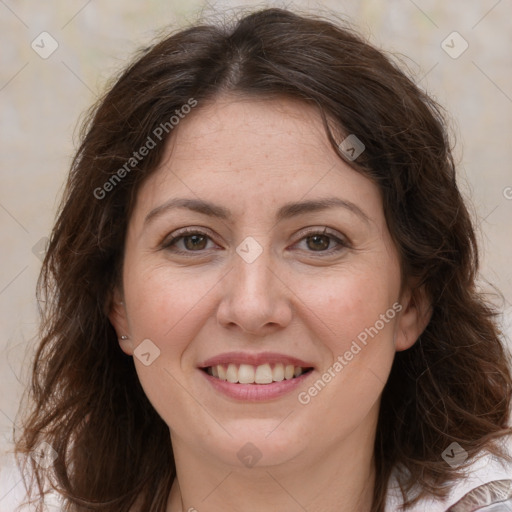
x=85, y=400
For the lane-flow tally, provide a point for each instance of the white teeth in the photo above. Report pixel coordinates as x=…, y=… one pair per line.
x=246, y=374
x=222, y=372
x=278, y=372
x=249, y=374
x=232, y=374
x=263, y=374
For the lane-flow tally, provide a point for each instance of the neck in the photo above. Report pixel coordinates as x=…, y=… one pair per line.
x=340, y=479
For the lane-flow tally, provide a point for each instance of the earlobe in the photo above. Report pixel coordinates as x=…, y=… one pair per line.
x=119, y=320
x=414, y=318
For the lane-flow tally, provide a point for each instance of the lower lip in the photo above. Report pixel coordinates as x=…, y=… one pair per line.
x=256, y=392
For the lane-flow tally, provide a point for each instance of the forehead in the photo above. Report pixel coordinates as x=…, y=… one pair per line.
x=248, y=128
x=245, y=148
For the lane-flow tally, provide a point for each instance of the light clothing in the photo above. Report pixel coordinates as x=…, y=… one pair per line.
x=487, y=487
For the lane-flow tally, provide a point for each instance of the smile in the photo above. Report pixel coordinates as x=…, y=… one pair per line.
x=250, y=374
x=255, y=377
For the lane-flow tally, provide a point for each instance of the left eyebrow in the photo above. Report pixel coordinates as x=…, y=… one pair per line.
x=290, y=210
x=287, y=211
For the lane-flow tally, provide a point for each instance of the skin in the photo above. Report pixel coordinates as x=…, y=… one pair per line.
x=298, y=298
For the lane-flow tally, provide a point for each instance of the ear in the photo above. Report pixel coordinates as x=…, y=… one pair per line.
x=119, y=319
x=414, y=317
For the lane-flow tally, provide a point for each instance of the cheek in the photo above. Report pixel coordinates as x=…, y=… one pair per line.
x=165, y=305
x=167, y=308
x=350, y=303
x=357, y=308
x=358, y=348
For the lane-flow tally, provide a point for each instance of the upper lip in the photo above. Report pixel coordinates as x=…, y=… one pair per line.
x=253, y=359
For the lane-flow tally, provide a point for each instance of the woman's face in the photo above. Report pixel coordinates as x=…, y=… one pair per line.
x=271, y=282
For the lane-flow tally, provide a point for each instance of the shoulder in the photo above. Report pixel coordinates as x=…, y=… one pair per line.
x=495, y=496
x=487, y=481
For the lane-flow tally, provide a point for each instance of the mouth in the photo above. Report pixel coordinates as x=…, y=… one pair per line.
x=266, y=373
x=252, y=377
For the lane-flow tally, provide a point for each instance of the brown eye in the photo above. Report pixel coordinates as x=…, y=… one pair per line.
x=318, y=242
x=323, y=242
x=187, y=241
x=195, y=242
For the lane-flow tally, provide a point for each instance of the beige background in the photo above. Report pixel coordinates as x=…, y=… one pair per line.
x=41, y=101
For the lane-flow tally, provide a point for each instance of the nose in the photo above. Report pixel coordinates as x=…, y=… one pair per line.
x=255, y=297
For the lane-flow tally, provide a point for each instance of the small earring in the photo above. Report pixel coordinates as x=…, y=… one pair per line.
x=124, y=337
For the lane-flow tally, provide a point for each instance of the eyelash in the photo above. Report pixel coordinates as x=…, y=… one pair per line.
x=186, y=232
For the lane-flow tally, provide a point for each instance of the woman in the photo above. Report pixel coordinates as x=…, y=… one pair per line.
x=260, y=290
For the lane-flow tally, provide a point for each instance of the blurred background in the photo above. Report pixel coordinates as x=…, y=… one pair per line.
x=57, y=56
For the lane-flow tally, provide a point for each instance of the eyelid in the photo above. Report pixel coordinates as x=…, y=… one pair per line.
x=323, y=230
x=179, y=234
x=183, y=232
x=341, y=241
